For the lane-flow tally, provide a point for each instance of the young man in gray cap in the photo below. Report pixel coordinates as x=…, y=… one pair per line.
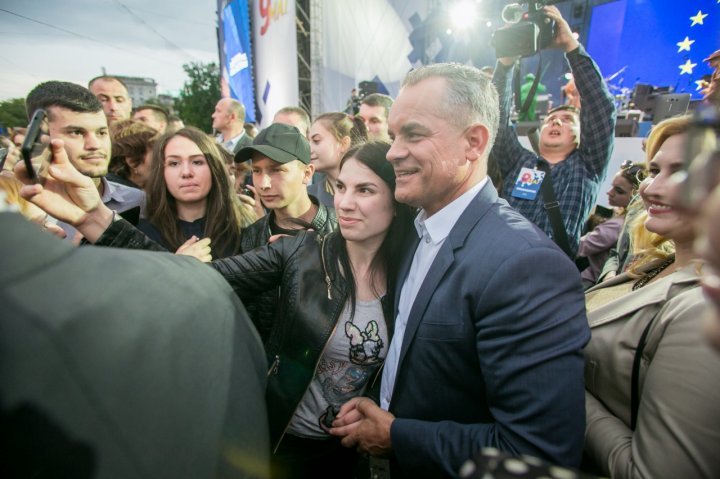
x=281, y=170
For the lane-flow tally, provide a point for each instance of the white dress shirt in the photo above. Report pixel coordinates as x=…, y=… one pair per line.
x=432, y=232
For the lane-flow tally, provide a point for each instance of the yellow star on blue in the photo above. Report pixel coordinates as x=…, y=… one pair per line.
x=685, y=44
x=687, y=67
x=701, y=83
x=698, y=19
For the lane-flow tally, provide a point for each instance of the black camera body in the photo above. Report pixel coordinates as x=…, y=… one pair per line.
x=530, y=32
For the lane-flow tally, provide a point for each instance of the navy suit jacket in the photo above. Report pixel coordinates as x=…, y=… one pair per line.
x=492, y=353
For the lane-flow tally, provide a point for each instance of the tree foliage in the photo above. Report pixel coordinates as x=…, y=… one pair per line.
x=12, y=113
x=199, y=95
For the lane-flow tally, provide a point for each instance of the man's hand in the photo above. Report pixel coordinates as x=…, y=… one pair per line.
x=564, y=38
x=65, y=193
x=363, y=425
x=199, y=249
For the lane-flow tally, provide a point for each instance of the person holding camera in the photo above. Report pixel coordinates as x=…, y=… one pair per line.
x=574, y=146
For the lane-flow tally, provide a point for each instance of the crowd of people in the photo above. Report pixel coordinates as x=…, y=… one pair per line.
x=392, y=293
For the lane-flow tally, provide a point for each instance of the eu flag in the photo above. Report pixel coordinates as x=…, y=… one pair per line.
x=659, y=42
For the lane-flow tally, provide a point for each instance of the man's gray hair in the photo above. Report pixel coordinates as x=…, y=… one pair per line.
x=238, y=108
x=470, y=96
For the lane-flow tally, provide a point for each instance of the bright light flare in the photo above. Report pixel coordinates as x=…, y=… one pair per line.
x=463, y=14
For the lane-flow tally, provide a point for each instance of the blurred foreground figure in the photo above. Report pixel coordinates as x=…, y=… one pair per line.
x=120, y=373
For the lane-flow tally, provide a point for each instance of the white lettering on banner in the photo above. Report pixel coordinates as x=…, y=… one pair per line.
x=238, y=63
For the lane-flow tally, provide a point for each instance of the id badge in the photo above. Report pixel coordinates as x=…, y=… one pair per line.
x=528, y=184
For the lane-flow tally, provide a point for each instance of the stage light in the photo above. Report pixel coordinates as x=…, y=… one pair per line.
x=488, y=24
x=448, y=31
x=463, y=14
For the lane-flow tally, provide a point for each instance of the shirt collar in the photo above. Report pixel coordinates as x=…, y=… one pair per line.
x=438, y=226
x=112, y=191
x=232, y=141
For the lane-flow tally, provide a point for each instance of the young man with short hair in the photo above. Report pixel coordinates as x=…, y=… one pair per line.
x=75, y=116
x=281, y=170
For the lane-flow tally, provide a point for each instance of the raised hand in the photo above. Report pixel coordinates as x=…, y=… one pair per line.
x=64, y=193
x=564, y=38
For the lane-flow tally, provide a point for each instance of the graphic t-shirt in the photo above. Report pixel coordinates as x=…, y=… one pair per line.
x=353, y=354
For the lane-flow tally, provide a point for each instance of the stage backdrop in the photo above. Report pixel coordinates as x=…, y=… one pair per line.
x=358, y=41
x=275, y=49
x=661, y=43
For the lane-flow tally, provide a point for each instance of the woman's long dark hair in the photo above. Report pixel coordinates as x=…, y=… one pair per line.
x=224, y=216
x=387, y=259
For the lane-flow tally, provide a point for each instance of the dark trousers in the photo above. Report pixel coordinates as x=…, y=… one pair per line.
x=299, y=458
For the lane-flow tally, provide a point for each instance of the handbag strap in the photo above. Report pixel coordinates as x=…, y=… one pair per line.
x=637, y=360
x=553, y=210
x=635, y=381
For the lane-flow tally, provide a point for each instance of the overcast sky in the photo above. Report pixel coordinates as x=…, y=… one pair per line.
x=72, y=40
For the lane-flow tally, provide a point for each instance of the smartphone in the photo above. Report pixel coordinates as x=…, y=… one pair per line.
x=32, y=137
x=3, y=156
x=247, y=192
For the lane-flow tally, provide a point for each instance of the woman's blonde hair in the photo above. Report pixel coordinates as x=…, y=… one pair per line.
x=11, y=186
x=649, y=246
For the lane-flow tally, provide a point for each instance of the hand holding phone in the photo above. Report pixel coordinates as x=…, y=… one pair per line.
x=32, y=137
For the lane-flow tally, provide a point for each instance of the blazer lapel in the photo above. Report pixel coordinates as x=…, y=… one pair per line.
x=405, y=267
x=443, y=260
x=468, y=220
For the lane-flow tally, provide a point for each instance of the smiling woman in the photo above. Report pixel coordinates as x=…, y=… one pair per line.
x=647, y=340
x=189, y=194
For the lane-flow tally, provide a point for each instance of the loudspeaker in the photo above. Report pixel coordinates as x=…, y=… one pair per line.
x=626, y=127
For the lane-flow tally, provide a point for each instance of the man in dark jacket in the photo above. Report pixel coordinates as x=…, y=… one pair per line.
x=109, y=372
x=281, y=170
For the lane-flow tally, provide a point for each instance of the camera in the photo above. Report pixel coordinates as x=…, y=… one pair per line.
x=529, y=33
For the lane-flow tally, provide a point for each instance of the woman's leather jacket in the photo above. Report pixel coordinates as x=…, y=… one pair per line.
x=313, y=294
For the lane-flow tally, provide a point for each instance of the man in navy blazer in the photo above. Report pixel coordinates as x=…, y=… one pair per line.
x=490, y=315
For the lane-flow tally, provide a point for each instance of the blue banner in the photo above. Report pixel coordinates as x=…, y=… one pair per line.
x=238, y=56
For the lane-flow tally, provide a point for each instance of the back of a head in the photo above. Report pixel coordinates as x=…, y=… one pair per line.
x=470, y=96
x=234, y=106
x=66, y=95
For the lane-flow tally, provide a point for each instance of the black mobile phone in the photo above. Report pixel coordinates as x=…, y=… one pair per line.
x=3, y=157
x=32, y=137
x=247, y=192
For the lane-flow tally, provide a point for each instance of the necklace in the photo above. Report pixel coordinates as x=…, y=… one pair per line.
x=652, y=273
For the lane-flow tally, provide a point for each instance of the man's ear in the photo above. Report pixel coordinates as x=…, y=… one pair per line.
x=478, y=138
x=309, y=171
